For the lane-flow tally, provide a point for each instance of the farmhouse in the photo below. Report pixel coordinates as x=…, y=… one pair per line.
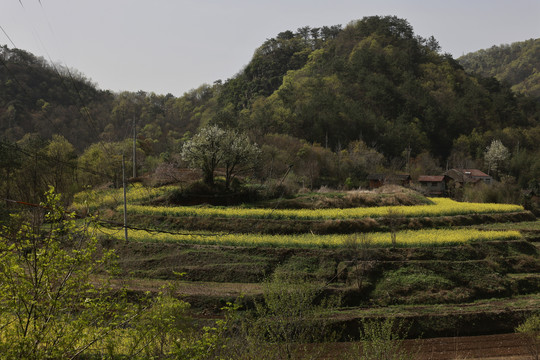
x=378, y=180
x=434, y=185
x=464, y=176
x=375, y=180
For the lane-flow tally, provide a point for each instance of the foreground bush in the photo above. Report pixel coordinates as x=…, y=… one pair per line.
x=531, y=329
x=52, y=308
x=48, y=306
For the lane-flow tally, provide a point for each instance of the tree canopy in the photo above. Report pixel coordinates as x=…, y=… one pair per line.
x=373, y=82
x=213, y=147
x=517, y=64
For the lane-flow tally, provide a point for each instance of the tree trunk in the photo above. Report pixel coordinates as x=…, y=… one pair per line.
x=209, y=178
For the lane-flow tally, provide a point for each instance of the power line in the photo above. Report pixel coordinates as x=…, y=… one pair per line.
x=107, y=223
x=5, y=33
x=49, y=159
x=114, y=224
x=90, y=120
x=46, y=116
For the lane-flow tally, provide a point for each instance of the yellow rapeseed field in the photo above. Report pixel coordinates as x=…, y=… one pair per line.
x=441, y=207
x=409, y=238
x=92, y=199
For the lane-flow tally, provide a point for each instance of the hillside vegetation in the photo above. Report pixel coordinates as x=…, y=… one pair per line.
x=326, y=106
x=241, y=256
x=440, y=276
x=517, y=64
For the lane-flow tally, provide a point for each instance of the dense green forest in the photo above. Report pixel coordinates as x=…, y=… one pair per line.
x=333, y=104
x=517, y=64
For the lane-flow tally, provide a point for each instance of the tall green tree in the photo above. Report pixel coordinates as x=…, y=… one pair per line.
x=61, y=156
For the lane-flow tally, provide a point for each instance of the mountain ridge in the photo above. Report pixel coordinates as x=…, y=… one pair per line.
x=517, y=63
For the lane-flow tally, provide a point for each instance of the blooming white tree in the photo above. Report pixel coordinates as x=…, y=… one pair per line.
x=204, y=151
x=495, y=154
x=238, y=152
x=214, y=147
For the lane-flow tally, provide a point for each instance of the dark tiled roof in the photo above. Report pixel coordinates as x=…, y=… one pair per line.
x=473, y=172
x=431, y=178
x=379, y=177
x=467, y=175
x=400, y=176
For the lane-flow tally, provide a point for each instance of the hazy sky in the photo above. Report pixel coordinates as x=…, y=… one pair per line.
x=172, y=46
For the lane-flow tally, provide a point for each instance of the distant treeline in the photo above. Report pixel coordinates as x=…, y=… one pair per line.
x=335, y=102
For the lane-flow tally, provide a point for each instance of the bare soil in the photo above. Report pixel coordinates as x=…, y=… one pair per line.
x=485, y=347
x=501, y=346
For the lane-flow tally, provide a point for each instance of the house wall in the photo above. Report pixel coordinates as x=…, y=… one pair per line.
x=486, y=180
x=373, y=184
x=431, y=186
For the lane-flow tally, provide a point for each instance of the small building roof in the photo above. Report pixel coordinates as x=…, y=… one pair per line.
x=473, y=172
x=403, y=177
x=431, y=178
x=379, y=177
x=467, y=175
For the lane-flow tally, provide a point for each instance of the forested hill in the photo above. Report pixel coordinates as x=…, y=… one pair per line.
x=517, y=64
x=373, y=80
x=39, y=97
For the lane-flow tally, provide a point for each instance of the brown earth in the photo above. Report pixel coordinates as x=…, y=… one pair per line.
x=485, y=347
x=507, y=270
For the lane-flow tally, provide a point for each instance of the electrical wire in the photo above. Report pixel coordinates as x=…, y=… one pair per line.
x=107, y=223
x=5, y=33
x=90, y=120
x=51, y=160
x=104, y=223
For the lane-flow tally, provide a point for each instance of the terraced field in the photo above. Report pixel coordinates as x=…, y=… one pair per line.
x=440, y=207
x=448, y=268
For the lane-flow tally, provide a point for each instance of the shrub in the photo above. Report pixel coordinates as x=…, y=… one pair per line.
x=531, y=329
x=287, y=320
x=382, y=340
x=48, y=306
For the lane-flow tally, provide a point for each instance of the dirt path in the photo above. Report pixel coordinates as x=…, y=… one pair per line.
x=189, y=288
x=503, y=346
x=486, y=347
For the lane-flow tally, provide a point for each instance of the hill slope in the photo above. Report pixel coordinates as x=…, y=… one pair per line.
x=337, y=103
x=517, y=64
x=378, y=82
x=39, y=97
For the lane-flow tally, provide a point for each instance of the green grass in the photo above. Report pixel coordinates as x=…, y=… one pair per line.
x=525, y=225
x=93, y=199
x=516, y=303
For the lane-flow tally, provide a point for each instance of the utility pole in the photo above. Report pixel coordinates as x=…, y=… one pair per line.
x=134, y=148
x=125, y=203
x=408, y=149
x=326, y=141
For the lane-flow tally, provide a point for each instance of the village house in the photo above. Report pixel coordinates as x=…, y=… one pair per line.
x=378, y=180
x=465, y=176
x=434, y=185
x=375, y=180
